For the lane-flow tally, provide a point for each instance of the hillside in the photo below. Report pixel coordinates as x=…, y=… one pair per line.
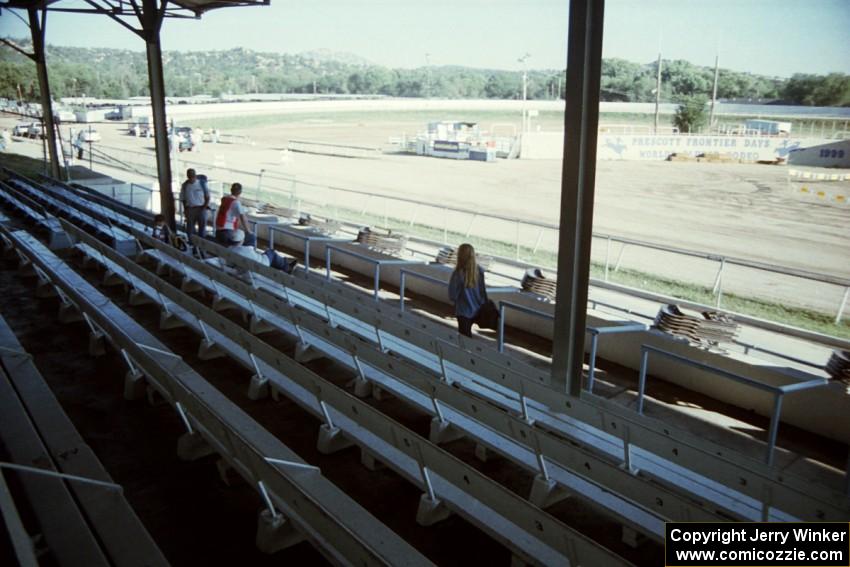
x=119, y=73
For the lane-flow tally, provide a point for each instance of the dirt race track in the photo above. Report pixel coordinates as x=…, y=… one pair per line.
x=739, y=210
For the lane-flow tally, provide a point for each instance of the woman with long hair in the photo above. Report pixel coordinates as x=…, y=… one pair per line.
x=466, y=289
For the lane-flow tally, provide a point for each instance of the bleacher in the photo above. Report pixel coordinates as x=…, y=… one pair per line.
x=634, y=470
x=83, y=516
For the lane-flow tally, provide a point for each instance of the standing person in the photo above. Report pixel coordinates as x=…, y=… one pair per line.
x=197, y=139
x=195, y=196
x=466, y=289
x=230, y=216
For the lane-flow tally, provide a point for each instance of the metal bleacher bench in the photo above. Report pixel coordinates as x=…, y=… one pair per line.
x=35, y=213
x=448, y=484
x=300, y=502
x=740, y=483
x=75, y=210
x=82, y=514
x=705, y=468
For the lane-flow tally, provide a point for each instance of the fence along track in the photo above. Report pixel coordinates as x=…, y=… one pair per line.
x=464, y=227
x=529, y=532
x=338, y=527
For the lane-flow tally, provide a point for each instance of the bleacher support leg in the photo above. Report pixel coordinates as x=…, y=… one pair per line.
x=481, y=452
x=369, y=461
x=154, y=397
x=45, y=289
x=191, y=447
x=110, y=278
x=97, y=344
x=220, y=304
x=69, y=313
x=331, y=440
x=26, y=269
x=209, y=350
x=431, y=511
x=632, y=537
x=134, y=385
x=546, y=492
x=257, y=326
x=188, y=285
x=275, y=533
x=362, y=388
x=258, y=389
x=305, y=353
x=138, y=298
x=168, y=320
x=380, y=394
x=228, y=474
x=443, y=432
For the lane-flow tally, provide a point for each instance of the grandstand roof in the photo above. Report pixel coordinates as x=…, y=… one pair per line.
x=123, y=7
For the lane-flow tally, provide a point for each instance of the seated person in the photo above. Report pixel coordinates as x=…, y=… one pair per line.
x=161, y=231
x=267, y=258
x=230, y=216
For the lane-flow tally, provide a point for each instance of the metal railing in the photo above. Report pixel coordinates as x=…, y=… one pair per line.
x=403, y=273
x=376, y=262
x=307, y=238
x=504, y=306
x=595, y=333
x=778, y=391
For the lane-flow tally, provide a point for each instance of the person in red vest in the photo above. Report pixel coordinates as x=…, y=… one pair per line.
x=230, y=216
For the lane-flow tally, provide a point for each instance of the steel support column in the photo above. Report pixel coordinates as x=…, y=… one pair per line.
x=37, y=27
x=151, y=20
x=581, y=121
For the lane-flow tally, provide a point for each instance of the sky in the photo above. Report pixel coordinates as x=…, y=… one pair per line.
x=769, y=37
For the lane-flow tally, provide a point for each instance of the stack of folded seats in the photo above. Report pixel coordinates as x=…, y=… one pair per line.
x=838, y=366
x=282, y=212
x=325, y=227
x=706, y=329
x=448, y=255
x=382, y=240
x=536, y=282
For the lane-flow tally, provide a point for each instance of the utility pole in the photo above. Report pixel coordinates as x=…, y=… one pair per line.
x=524, y=89
x=657, y=93
x=714, y=91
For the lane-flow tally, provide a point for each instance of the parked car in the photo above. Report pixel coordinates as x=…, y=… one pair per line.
x=36, y=130
x=90, y=135
x=184, y=133
x=21, y=129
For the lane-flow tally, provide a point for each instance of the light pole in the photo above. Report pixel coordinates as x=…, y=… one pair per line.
x=524, y=89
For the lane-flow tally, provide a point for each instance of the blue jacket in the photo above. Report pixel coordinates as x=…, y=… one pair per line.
x=467, y=300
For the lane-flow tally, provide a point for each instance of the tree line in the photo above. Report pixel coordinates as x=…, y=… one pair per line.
x=117, y=73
